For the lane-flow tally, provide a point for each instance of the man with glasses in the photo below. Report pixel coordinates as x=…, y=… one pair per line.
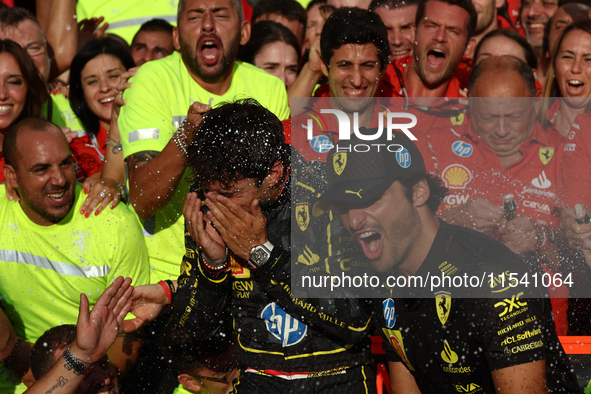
x=20, y=26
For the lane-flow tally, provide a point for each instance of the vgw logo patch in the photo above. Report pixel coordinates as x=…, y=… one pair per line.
x=283, y=326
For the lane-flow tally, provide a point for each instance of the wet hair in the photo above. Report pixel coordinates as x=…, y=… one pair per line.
x=551, y=88
x=465, y=4
x=155, y=25
x=506, y=64
x=392, y=4
x=528, y=52
x=237, y=141
x=92, y=49
x=354, y=26
x=579, y=14
x=289, y=9
x=13, y=16
x=43, y=353
x=237, y=5
x=314, y=3
x=437, y=191
x=37, y=90
x=264, y=33
x=186, y=351
x=9, y=144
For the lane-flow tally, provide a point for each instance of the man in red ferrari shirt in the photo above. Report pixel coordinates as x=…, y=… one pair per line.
x=443, y=32
x=502, y=151
x=354, y=46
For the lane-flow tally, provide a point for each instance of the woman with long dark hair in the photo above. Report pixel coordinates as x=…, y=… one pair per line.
x=95, y=73
x=22, y=91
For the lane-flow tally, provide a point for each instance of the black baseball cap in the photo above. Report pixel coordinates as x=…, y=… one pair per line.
x=360, y=171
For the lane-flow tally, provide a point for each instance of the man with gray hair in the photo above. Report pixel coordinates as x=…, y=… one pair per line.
x=502, y=152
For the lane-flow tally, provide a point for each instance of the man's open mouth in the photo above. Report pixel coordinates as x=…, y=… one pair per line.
x=209, y=49
x=371, y=243
x=436, y=57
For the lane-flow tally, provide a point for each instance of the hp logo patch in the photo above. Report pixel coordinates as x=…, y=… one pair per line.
x=403, y=157
x=389, y=312
x=462, y=149
x=321, y=143
x=283, y=326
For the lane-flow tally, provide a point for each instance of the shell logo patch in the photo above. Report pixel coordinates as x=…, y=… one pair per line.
x=398, y=345
x=456, y=176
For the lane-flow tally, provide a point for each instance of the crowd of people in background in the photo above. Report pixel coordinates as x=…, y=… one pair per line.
x=164, y=141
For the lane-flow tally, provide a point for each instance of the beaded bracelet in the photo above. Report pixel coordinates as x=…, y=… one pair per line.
x=76, y=365
x=176, y=137
x=215, y=265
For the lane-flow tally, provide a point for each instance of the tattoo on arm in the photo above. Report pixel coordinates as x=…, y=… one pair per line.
x=139, y=159
x=61, y=382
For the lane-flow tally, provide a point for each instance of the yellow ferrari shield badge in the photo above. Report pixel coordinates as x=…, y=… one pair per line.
x=443, y=304
x=339, y=162
x=303, y=215
x=546, y=155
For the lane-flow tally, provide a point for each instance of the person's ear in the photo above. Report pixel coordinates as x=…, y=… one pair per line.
x=176, y=39
x=10, y=175
x=499, y=3
x=324, y=68
x=275, y=176
x=189, y=382
x=420, y=193
x=470, y=48
x=244, y=32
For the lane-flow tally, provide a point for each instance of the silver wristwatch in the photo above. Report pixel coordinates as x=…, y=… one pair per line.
x=259, y=255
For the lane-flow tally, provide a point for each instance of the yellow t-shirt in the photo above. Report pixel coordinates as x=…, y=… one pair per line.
x=43, y=269
x=61, y=113
x=183, y=390
x=156, y=104
x=126, y=17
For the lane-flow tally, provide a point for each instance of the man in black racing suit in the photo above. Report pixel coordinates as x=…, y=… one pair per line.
x=286, y=344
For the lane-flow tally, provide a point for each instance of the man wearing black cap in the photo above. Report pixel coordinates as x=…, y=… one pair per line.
x=444, y=338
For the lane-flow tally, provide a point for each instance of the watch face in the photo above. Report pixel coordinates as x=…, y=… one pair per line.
x=259, y=256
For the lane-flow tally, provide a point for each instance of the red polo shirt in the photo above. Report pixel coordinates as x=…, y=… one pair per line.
x=577, y=162
x=89, y=154
x=471, y=170
x=325, y=130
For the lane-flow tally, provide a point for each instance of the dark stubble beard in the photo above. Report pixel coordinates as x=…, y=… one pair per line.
x=213, y=73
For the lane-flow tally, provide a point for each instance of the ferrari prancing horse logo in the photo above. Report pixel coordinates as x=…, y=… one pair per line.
x=339, y=161
x=302, y=215
x=443, y=304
